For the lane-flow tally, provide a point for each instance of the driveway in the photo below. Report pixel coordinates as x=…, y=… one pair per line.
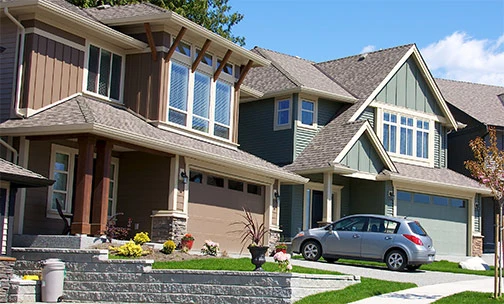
x=419, y=277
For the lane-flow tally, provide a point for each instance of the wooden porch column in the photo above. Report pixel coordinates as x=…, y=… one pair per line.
x=327, y=209
x=83, y=187
x=101, y=187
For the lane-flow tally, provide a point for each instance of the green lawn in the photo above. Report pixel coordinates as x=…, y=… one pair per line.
x=367, y=288
x=469, y=297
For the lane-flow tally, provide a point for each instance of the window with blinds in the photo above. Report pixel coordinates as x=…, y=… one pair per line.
x=104, y=73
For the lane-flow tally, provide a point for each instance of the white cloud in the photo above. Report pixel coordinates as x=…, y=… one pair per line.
x=368, y=49
x=461, y=57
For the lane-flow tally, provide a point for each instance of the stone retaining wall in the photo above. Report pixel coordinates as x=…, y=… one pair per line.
x=91, y=277
x=6, y=272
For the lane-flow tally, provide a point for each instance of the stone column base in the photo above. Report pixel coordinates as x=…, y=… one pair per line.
x=477, y=245
x=168, y=225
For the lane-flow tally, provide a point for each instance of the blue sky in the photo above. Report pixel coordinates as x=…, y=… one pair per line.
x=459, y=39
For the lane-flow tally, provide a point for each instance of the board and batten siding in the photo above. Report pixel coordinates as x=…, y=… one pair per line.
x=363, y=157
x=291, y=210
x=367, y=196
x=440, y=142
x=53, y=71
x=8, y=60
x=409, y=89
x=369, y=115
x=256, y=134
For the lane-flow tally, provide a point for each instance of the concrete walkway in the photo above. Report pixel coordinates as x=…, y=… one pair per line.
x=430, y=293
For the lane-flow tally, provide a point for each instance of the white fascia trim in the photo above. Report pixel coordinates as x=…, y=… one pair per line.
x=168, y=16
x=311, y=91
x=374, y=140
x=362, y=175
x=255, y=94
x=433, y=184
x=381, y=85
x=191, y=152
x=85, y=22
x=433, y=86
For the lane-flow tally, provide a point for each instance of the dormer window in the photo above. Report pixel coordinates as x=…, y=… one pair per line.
x=104, y=73
x=197, y=101
x=307, y=112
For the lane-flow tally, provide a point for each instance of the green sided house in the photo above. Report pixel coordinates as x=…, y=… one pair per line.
x=130, y=109
x=370, y=133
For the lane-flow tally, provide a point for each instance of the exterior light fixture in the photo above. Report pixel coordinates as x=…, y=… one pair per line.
x=184, y=177
x=277, y=198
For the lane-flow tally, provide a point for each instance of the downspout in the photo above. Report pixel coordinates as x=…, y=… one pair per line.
x=20, y=63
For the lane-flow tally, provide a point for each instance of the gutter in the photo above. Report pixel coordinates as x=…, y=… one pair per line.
x=438, y=184
x=20, y=50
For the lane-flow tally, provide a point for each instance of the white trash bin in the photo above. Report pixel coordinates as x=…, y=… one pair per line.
x=53, y=275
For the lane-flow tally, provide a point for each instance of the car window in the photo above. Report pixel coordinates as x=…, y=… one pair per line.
x=417, y=228
x=351, y=224
x=381, y=226
x=390, y=227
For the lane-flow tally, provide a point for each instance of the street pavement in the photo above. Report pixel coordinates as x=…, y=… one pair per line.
x=431, y=285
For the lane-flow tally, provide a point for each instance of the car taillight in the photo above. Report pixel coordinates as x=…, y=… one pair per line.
x=414, y=239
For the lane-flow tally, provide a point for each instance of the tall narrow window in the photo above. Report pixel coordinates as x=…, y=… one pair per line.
x=62, y=178
x=283, y=112
x=406, y=136
x=222, y=109
x=111, y=200
x=179, y=82
x=201, y=105
x=389, y=131
x=307, y=112
x=104, y=72
x=422, y=149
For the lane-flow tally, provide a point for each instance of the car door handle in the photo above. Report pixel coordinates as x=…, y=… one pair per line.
x=388, y=237
x=356, y=236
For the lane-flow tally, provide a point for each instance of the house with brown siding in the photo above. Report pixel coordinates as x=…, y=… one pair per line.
x=130, y=109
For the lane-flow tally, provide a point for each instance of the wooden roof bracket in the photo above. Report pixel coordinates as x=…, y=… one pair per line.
x=223, y=63
x=150, y=40
x=243, y=74
x=175, y=43
x=201, y=54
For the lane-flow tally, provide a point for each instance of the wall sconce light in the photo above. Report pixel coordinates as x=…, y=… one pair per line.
x=277, y=198
x=184, y=177
x=391, y=193
x=476, y=205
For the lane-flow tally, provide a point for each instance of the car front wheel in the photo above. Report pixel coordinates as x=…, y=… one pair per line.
x=396, y=260
x=311, y=251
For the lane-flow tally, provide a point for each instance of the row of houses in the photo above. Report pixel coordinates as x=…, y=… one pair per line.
x=135, y=109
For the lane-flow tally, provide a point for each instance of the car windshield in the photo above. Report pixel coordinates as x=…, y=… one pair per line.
x=417, y=228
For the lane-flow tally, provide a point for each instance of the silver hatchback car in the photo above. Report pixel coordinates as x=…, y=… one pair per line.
x=399, y=242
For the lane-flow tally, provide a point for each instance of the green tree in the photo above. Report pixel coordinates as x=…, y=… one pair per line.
x=215, y=15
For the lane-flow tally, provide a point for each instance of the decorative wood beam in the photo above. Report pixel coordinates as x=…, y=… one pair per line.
x=222, y=65
x=201, y=54
x=175, y=43
x=150, y=39
x=243, y=74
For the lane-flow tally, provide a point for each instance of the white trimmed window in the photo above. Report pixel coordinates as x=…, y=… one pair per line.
x=307, y=113
x=196, y=101
x=283, y=114
x=406, y=135
x=104, y=72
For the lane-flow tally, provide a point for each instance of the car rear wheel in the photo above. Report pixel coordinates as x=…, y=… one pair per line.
x=396, y=260
x=311, y=251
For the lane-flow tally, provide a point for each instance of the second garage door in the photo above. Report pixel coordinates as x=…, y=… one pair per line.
x=215, y=203
x=444, y=218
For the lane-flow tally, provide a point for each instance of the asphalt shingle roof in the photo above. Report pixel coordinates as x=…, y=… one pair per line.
x=125, y=11
x=288, y=72
x=362, y=76
x=17, y=174
x=89, y=111
x=479, y=101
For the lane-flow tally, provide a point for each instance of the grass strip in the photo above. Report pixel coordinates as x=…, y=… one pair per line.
x=470, y=297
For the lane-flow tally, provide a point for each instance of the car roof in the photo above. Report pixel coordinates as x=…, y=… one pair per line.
x=386, y=217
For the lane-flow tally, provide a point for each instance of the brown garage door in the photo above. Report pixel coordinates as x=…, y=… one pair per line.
x=215, y=204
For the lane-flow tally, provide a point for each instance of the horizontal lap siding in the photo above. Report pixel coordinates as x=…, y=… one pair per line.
x=53, y=71
x=8, y=60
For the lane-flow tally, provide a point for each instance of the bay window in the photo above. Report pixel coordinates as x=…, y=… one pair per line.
x=104, y=72
x=413, y=135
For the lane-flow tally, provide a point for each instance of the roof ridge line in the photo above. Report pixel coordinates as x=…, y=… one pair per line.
x=381, y=50
x=281, y=69
x=285, y=54
x=468, y=82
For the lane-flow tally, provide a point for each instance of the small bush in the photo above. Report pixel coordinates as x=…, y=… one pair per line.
x=210, y=248
x=168, y=247
x=130, y=249
x=141, y=238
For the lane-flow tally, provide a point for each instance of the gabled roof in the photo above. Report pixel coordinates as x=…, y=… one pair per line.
x=479, y=101
x=362, y=74
x=290, y=73
x=332, y=143
x=20, y=176
x=442, y=177
x=86, y=114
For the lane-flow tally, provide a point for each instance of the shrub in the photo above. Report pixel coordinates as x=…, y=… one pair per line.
x=141, y=238
x=114, y=232
x=130, y=249
x=187, y=237
x=283, y=260
x=168, y=247
x=210, y=248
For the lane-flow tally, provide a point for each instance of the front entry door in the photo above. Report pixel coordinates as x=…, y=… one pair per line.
x=317, y=208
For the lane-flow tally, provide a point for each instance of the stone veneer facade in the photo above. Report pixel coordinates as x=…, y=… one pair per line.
x=6, y=272
x=168, y=228
x=477, y=245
